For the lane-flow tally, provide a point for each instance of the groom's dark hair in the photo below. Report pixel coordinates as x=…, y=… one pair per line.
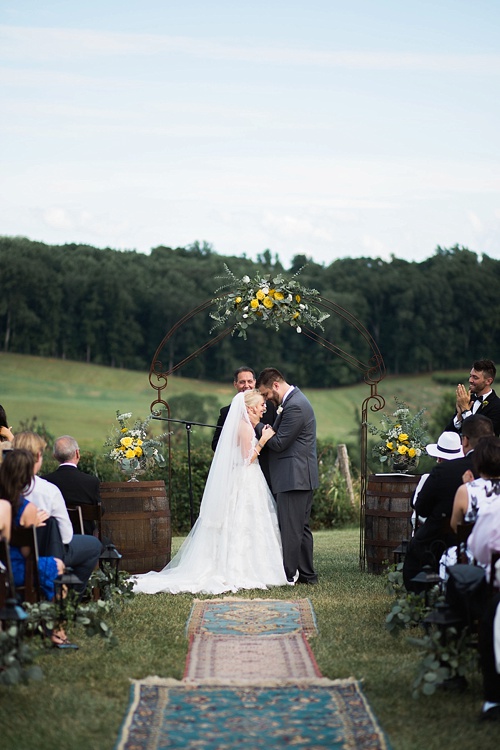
x=269, y=376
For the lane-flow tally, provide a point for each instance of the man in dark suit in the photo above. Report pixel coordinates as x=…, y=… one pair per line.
x=76, y=487
x=479, y=399
x=244, y=380
x=435, y=503
x=293, y=466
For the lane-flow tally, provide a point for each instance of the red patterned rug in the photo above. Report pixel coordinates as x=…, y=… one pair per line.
x=237, y=659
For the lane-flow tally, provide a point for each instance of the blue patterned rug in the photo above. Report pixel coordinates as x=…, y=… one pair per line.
x=168, y=714
x=251, y=617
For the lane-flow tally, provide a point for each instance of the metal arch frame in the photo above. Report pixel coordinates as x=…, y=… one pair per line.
x=373, y=372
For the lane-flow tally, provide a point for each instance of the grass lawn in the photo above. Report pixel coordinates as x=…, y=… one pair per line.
x=84, y=696
x=82, y=399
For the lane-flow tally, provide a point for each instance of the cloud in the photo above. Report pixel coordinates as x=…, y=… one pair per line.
x=49, y=44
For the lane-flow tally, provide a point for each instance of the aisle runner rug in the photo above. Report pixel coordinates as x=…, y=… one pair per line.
x=251, y=658
x=251, y=617
x=168, y=714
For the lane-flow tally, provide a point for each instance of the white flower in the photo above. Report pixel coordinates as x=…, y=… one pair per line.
x=265, y=289
x=279, y=410
x=245, y=315
x=127, y=415
x=246, y=279
x=299, y=329
x=302, y=307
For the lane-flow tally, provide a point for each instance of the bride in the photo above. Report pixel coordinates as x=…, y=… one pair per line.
x=235, y=543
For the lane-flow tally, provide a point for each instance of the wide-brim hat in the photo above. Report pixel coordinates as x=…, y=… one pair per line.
x=448, y=446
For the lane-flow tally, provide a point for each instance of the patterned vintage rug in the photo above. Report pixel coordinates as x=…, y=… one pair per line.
x=251, y=617
x=168, y=714
x=250, y=658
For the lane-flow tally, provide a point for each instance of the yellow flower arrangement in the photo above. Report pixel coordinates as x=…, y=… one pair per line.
x=131, y=448
x=270, y=300
x=403, y=437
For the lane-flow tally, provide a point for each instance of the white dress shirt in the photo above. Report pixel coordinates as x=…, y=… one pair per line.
x=47, y=496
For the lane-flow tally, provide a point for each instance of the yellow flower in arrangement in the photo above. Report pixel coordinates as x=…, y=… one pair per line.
x=270, y=300
x=401, y=435
x=131, y=447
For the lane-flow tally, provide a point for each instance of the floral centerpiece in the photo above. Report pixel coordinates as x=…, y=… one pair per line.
x=271, y=300
x=131, y=447
x=403, y=438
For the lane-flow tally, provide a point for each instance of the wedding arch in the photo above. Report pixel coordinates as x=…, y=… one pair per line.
x=275, y=302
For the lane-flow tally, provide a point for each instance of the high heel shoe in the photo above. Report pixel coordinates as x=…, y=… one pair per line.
x=59, y=641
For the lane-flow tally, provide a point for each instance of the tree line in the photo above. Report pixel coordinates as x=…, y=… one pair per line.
x=114, y=308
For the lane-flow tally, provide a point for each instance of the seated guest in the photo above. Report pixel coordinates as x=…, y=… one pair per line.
x=485, y=539
x=435, y=504
x=81, y=552
x=471, y=498
x=16, y=474
x=6, y=434
x=77, y=487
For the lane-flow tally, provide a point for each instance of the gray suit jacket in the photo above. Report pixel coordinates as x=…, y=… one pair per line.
x=293, y=463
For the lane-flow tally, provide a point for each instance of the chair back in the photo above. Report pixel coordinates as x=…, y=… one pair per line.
x=88, y=513
x=26, y=538
x=464, y=530
x=76, y=518
x=7, y=586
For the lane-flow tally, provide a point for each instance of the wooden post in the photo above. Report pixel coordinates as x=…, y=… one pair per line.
x=343, y=462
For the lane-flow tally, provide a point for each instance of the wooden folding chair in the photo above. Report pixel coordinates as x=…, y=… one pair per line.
x=464, y=530
x=76, y=518
x=91, y=513
x=7, y=586
x=26, y=538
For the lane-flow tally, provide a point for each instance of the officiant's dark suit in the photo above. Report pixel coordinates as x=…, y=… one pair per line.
x=293, y=467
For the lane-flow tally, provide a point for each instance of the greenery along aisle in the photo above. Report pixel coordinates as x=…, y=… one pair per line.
x=82, y=700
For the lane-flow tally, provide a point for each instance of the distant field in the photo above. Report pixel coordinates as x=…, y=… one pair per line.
x=82, y=399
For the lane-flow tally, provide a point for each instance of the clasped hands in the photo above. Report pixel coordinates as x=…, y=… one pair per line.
x=267, y=433
x=463, y=399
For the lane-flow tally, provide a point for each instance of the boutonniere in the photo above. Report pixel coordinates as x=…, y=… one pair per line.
x=279, y=410
x=484, y=403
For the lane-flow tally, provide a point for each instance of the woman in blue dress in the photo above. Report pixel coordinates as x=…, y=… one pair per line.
x=16, y=473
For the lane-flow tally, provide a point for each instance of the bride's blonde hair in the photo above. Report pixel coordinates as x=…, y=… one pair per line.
x=253, y=397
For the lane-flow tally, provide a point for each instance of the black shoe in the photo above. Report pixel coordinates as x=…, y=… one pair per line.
x=492, y=714
x=308, y=581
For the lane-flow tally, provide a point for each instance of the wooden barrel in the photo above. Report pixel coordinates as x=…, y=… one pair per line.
x=137, y=520
x=387, y=517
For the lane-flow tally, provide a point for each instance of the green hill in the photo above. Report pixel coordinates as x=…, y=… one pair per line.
x=82, y=399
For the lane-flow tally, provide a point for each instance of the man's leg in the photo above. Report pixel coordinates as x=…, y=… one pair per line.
x=82, y=555
x=306, y=564
x=292, y=510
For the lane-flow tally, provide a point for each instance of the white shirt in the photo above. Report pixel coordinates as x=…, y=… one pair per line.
x=47, y=496
x=476, y=404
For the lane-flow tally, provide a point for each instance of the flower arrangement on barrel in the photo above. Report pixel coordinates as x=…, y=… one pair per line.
x=403, y=438
x=131, y=447
x=271, y=300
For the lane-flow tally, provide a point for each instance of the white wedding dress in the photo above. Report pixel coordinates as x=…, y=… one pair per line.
x=235, y=543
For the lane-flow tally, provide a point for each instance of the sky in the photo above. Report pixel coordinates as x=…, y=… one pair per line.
x=326, y=128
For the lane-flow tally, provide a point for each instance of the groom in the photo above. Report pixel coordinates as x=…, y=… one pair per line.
x=293, y=466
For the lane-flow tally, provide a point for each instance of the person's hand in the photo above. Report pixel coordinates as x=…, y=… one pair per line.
x=467, y=476
x=463, y=399
x=6, y=432
x=41, y=517
x=267, y=433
